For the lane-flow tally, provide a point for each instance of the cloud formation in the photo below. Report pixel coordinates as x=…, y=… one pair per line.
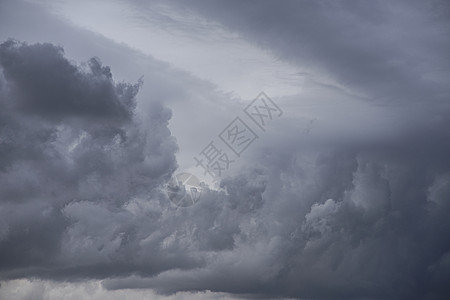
x=72, y=147
x=386, y=52
x=345, y=218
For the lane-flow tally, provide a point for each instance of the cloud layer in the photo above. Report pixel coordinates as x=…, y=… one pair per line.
x=318, y=217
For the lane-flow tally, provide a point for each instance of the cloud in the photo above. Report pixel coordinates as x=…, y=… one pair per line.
x=330, y=226
x=72, y=146
x=386, y=52
x=47, y=290
x=321, y=216
x=47, y=83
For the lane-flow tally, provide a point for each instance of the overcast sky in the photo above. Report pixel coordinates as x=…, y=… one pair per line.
x=339, y=187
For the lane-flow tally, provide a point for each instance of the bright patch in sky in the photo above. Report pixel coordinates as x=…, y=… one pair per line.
x=189, y=42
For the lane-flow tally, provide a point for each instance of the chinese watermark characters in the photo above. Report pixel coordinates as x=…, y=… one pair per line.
x=237, y=136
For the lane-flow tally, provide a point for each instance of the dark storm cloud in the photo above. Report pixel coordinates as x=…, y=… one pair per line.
x=72, y=149
x=46, y=83
x=348, y=218
x=325, y=226
x=394, y=51
x=343, y=219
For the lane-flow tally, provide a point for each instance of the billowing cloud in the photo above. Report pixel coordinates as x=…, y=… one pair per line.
x=323, y=215
x=72, y=147
x=327, y=226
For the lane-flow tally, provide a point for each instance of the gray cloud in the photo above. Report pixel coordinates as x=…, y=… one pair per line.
x=330, y=226
x=341, y=217
x=72, y=146
x=46, y=83
x=319, y=216
x=388, y=52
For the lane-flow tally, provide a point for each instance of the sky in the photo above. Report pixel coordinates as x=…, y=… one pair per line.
x=224, y=149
